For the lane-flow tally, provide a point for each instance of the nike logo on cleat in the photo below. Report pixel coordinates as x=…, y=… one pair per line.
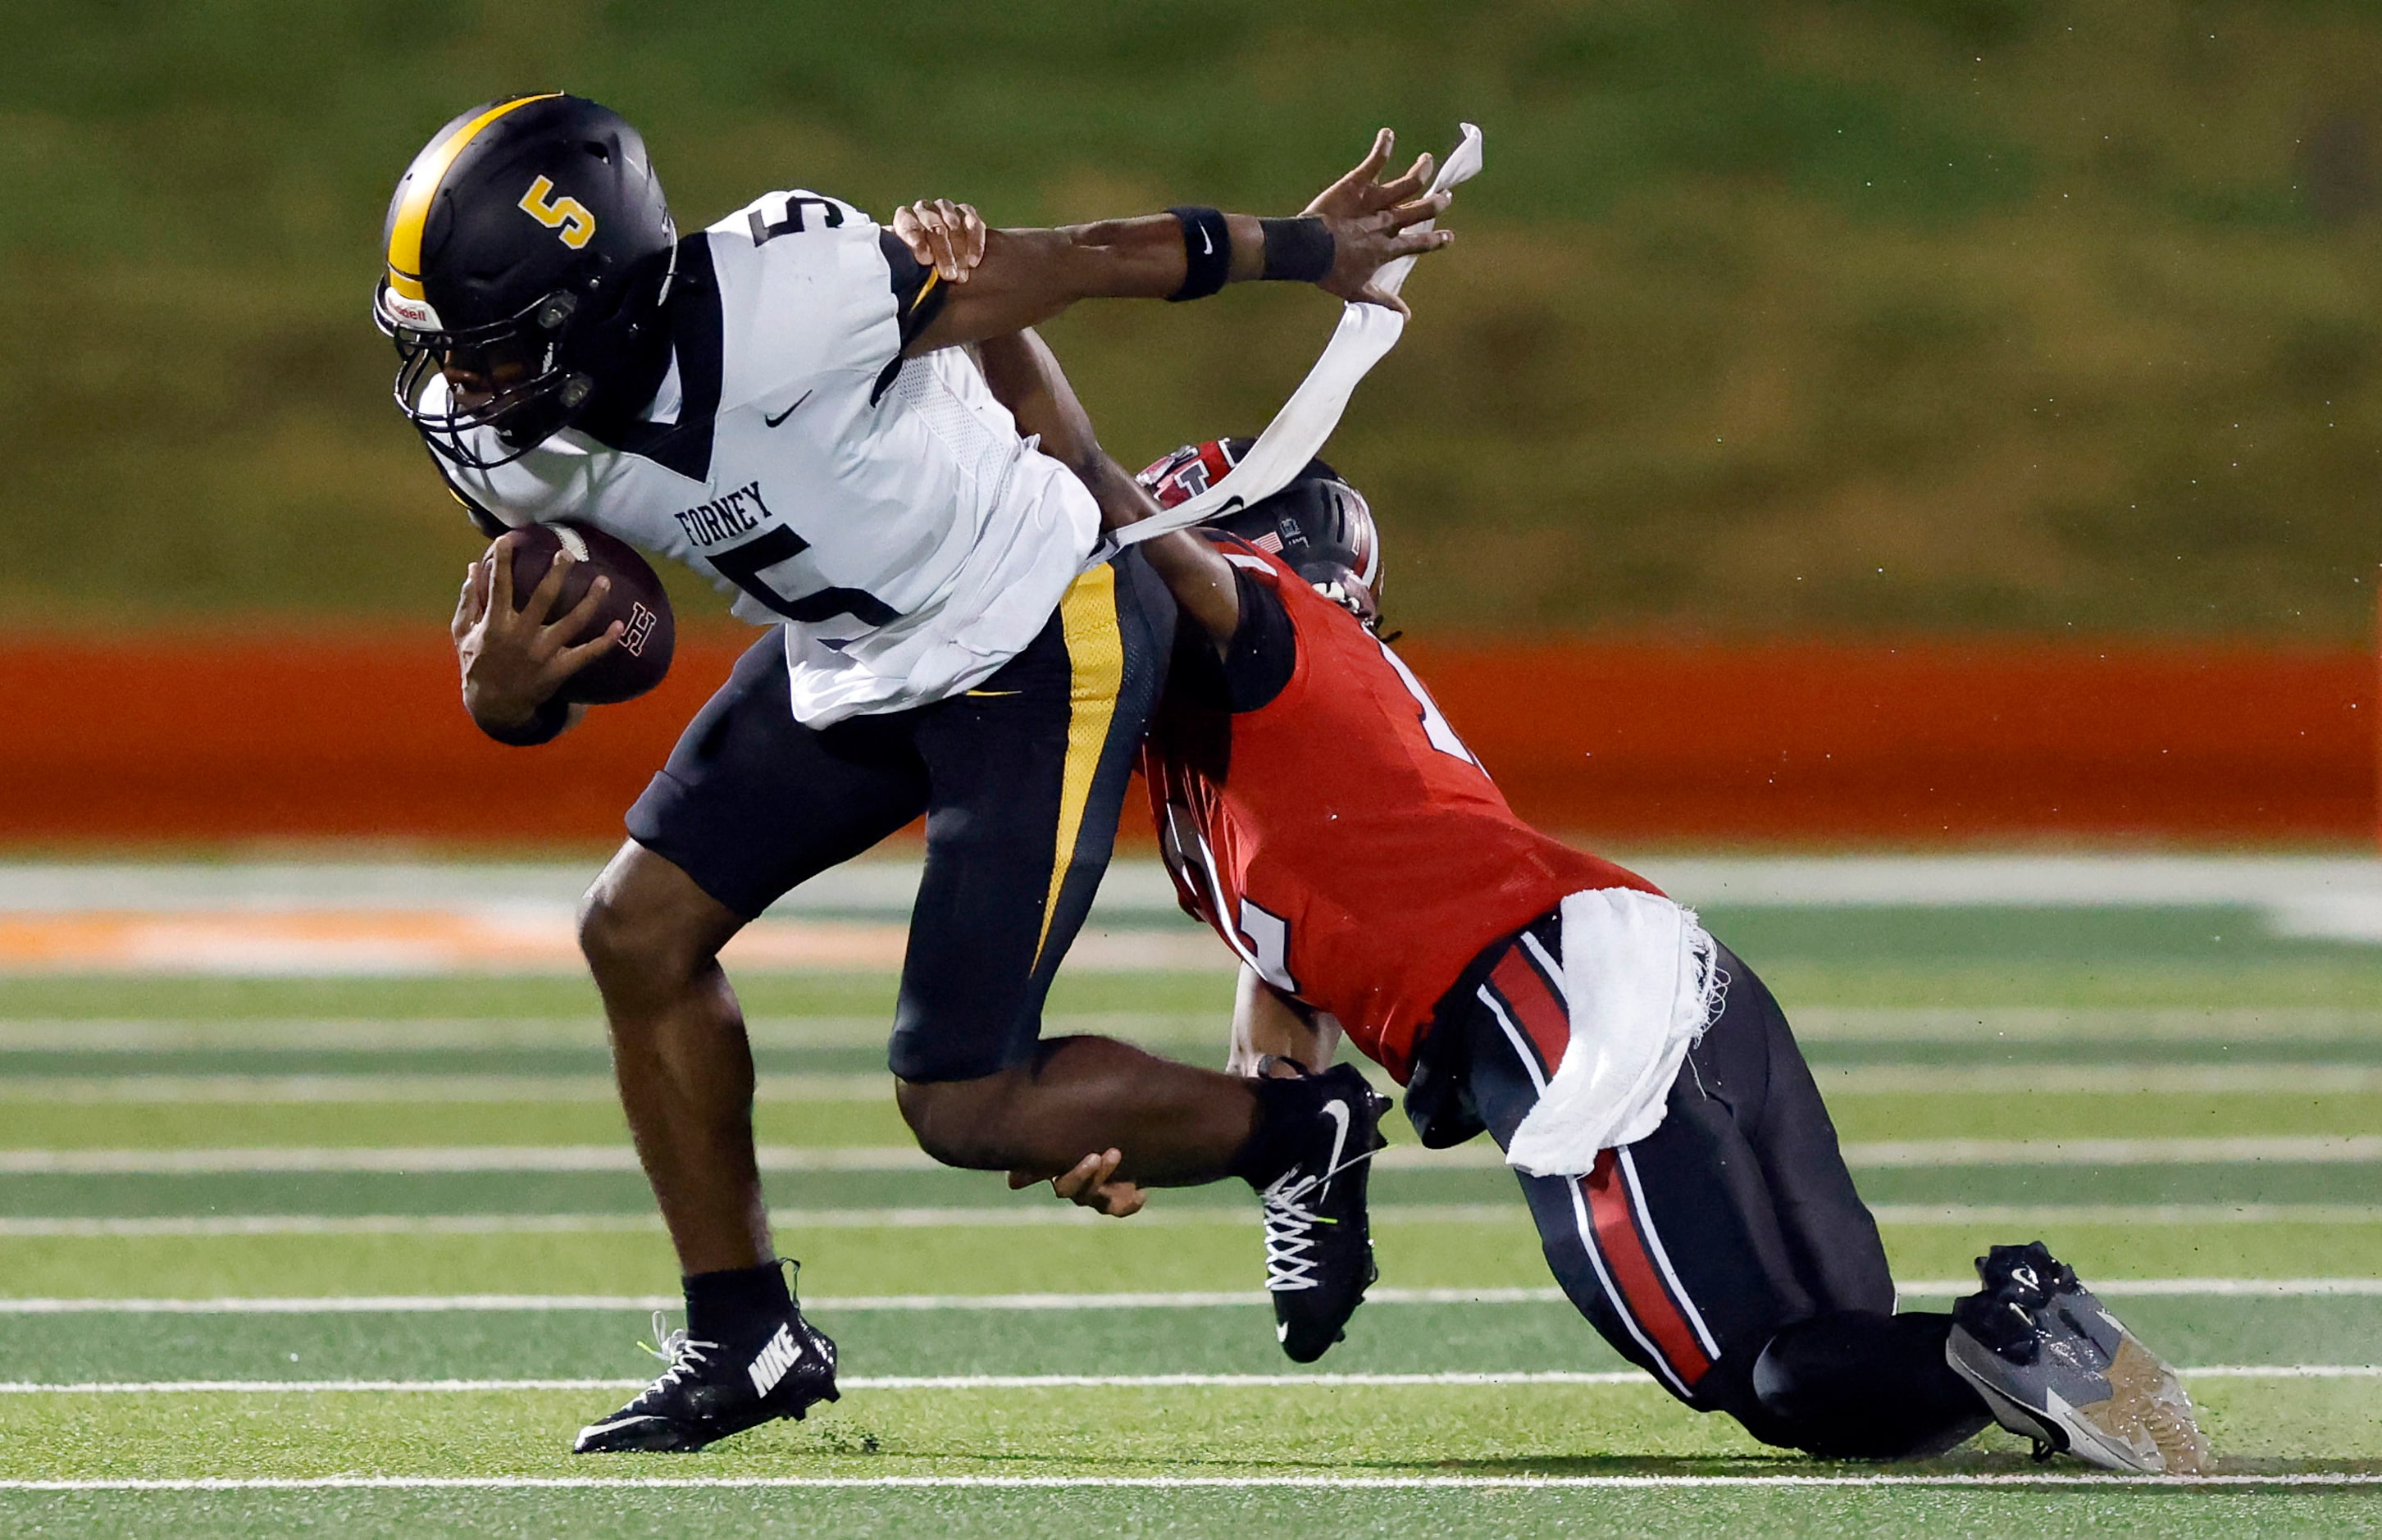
x=770, y=1366
x=1338, y=1112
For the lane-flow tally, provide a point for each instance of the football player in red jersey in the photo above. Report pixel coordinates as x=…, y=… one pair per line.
x=1317, y=809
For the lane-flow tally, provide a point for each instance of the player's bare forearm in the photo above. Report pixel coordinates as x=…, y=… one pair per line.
x=1001, y=281
x=1269, y=1024
x=1025, y=377
x=1027, y=277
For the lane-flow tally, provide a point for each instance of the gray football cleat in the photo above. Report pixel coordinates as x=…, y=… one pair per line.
x=2057, y=1367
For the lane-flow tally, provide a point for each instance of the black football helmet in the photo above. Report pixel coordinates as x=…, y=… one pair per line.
x=529, y=252
x=1319, y=524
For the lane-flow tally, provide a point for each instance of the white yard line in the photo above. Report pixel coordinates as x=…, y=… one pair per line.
x=88, y=1090
x=2254, y=1078
x=1479, y=1154
x=410, y=1304
x=2106, y=1080
x=1813, y=1023
x=418, y=1159
x=1174, y=1483
x=2027, y=1216
x=1028, y=1217
x=839, y=1304
x=851, y=1382
x=2317, y=1148
x=2067, y=1024
x=1967, y=1214
x=145, y=1034
x=1018, y=1382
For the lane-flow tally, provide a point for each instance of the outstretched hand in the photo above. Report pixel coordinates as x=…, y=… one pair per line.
x=1369, y=219
x=1091, y=1184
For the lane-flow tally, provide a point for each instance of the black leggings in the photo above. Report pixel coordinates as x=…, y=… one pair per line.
x=1727, y=1253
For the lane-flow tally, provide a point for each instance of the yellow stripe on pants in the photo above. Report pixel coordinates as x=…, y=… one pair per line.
x=1087, y=619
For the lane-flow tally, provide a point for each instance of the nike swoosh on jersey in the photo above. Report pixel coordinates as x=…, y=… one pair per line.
x=781, y=416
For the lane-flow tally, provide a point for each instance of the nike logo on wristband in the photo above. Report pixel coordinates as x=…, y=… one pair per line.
x=1207, y=241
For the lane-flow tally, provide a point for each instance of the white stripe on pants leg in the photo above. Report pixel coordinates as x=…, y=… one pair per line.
x=1663, y=1258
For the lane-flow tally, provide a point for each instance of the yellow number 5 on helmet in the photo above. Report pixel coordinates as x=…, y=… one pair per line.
x=568, y=214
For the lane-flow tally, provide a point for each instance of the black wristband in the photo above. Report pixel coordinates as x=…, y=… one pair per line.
x=544, y=726
x=1298, y=251
x=1207, y=252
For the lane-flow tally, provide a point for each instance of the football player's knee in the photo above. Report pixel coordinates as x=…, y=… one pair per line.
x=630, y=940
x=1799, y=1405
x=960, y=1123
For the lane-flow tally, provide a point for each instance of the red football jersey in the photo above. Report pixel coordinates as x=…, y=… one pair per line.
x=1342, y=839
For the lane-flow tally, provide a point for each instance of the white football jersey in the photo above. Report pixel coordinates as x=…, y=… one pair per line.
x=883, y=511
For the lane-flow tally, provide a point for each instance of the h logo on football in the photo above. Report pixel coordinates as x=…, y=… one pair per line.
x=567, y=215
x=639, y=631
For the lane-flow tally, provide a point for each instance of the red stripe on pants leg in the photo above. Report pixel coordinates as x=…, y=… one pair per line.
x=1634, y=1272
x=1536, y=1011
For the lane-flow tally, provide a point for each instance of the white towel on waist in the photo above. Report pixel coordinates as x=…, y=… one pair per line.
x=1641, y=981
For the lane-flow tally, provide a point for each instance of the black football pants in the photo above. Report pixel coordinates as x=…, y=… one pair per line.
x=1020, y=780
x=1727, y=1253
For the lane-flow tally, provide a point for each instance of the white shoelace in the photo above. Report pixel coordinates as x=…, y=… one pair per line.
x=1290, y=1226
x=682, y=1353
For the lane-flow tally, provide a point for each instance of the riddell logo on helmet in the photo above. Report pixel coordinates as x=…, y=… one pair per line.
x=416, y=314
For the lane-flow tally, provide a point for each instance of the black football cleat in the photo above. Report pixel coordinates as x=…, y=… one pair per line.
x=706, y=1394
x=1319, y=1243
x=2057, y=1367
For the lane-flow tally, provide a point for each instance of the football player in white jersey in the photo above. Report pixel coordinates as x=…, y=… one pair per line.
x=780, y=401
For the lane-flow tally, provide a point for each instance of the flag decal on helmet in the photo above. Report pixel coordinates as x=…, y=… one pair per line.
x=566, y=214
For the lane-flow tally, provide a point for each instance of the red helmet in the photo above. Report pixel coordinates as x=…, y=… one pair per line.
x=1319, y=524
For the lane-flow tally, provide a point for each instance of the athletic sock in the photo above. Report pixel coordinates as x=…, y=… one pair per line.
x=738, y=1306
x=1286, y=1109
x=1863, y=1384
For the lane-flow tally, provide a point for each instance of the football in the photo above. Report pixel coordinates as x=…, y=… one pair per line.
x=635, y=599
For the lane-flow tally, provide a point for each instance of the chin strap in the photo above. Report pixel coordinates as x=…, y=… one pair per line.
x=1365, y=336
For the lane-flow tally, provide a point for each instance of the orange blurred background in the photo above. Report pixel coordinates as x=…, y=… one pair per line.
x=203, y=739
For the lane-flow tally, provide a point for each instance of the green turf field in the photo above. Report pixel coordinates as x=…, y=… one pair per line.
x=242, y=1226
